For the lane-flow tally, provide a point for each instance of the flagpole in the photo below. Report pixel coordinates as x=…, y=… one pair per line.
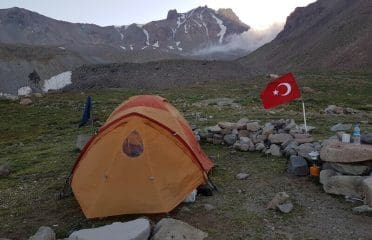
x=304, y=113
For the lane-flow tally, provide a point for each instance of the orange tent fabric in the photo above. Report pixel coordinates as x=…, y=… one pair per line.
x=144, y=159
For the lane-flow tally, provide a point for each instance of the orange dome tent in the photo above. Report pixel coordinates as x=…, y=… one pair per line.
x=144, y=159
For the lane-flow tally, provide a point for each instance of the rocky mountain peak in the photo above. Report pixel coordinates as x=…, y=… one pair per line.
x=172, y=14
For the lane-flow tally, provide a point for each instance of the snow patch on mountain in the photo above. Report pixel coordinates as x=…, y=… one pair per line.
x=124, y=48
x=118, y=30
x=57, y=82
x=131, y=47
x=223, y=28
x=171, y=47
x=156, y=44
x=147, y=36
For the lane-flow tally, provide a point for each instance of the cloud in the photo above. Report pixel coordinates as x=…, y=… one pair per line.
x=247, y=41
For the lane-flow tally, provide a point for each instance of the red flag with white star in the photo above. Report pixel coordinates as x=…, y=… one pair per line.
x=282, y=90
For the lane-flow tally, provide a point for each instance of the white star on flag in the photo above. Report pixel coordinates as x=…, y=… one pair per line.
x=276, y=92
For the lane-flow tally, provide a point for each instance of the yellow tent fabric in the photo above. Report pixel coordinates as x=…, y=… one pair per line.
x=145, y=159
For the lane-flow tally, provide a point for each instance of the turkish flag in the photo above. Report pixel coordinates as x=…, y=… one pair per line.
x=282, y=90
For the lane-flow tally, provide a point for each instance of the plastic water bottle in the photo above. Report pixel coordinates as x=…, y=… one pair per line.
x=356, y=134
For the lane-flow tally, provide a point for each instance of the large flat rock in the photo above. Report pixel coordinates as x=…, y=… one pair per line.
x=138, y=229
x=346, y=152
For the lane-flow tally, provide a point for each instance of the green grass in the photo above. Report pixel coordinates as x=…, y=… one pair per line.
x=38, y=142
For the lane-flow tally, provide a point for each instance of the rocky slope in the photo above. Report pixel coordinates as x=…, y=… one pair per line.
x=155, y=75
x=328, y=35
x=179, y=33
x=18, y=63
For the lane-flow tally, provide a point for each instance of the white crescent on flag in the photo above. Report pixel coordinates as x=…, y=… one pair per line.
x=288, y=86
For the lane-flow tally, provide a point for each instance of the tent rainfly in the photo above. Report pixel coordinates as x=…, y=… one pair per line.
x=144, y=159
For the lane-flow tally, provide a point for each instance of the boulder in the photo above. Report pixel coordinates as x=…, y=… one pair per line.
x=350, y=186
x=367, y=190
x=4, y=170
x=297, y=166
x=172, y=229
x=275, y=150
x=230, y=139
x=244, y=144
x=345, y=152
x=253, y=126
x=366, y=138
x=349, y=169
x=242, y=123
x=341, y=127
x=326, y=174
x=44, y=233
x=138, y=229
x=280, y=138
x=303, y=150
x=25, y=101
x=82, y=140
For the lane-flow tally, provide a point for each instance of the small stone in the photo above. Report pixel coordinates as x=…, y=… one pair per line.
x=268, y=129
x=259, y=147
x=44, y=233
x=38, y=95
x=291, y=125
x=275, y=150
x=242, y=176
x=279, y=199
x=227, y=125
x=286, y=207
x=253, y=126
x=341, y=127
x=82, y=140
x=230, y=139
x=4, y=170
x=308, y=90
x=214, y=129
x=25, y=101
x=208, y=207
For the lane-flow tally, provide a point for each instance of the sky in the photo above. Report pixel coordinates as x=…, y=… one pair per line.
x=259, y=14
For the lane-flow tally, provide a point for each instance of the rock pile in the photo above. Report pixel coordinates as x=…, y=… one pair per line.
x=278, y=137
x=139, y=229
x=333, y=109
x=347, y=169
